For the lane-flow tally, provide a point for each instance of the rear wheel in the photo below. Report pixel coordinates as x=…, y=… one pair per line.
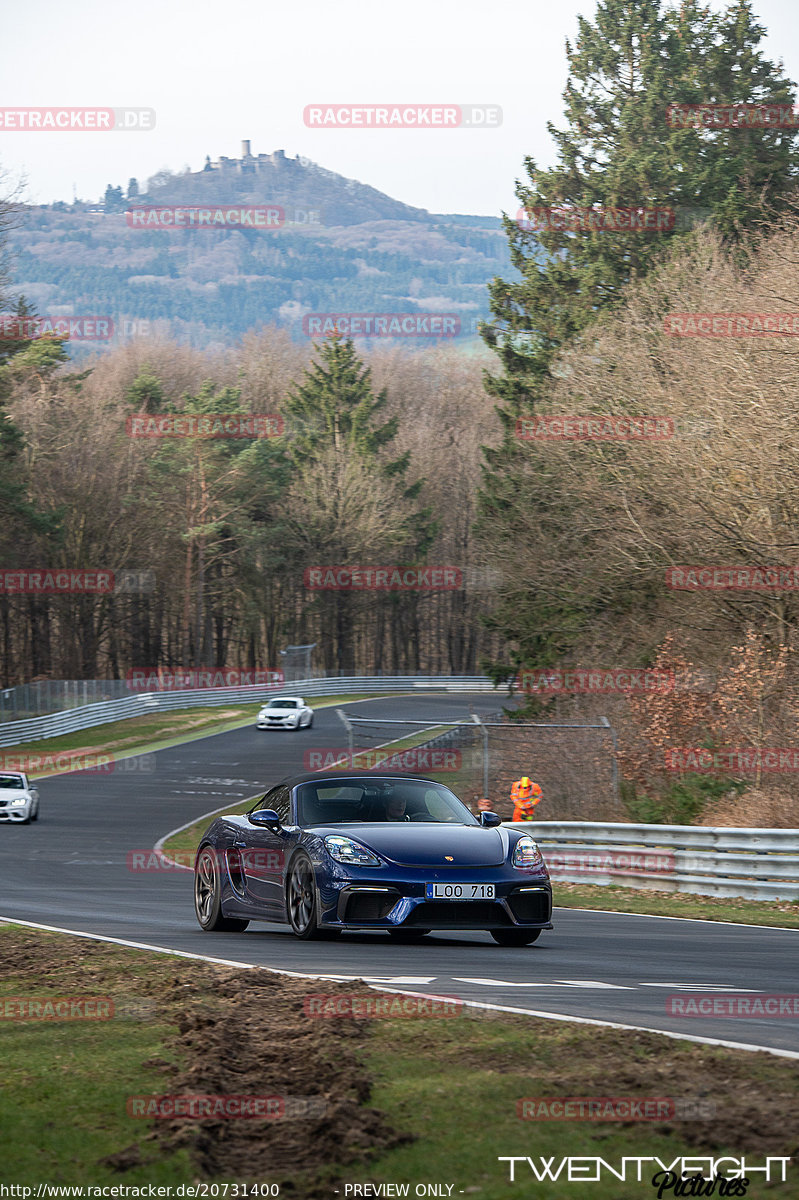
x=301, y=899
x=515, y=937
x=408, y=935
x=208, y=896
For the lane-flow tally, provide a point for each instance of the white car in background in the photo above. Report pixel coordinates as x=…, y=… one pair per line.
x=285, y=712
x=19, y=801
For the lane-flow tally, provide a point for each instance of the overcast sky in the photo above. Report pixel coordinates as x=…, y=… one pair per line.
x=217, y=73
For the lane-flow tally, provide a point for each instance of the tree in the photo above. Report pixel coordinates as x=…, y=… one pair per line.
x=620, y=151
x=617, y=151
x=133, y=188
x=334, y=427
x=113, y=199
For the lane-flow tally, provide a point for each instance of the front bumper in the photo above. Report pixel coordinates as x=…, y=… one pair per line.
x=523, y=900
x=280, y=723
x=18, y=814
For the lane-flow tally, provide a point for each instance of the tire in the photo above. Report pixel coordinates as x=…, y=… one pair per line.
x=35, y=813
x=208, y=896
x=27, y=820
x=515, y=937
x=301, y=901
x=408, y=935
x=310, y=723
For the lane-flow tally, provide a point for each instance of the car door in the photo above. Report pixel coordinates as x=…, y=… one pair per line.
x=263, y=858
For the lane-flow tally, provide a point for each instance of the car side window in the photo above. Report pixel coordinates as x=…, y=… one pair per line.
x=280, y=801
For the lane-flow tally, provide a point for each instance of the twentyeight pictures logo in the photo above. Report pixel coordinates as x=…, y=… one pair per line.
x=76, y=120
x=215, y=216
x=388, y=325
x=402, y=116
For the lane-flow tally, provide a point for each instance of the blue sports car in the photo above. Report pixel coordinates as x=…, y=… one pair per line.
x=357, y=850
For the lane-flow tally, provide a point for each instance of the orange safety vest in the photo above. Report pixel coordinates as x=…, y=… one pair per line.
x=525, y=795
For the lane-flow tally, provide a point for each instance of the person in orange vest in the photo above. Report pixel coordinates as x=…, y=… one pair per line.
x=525, y=795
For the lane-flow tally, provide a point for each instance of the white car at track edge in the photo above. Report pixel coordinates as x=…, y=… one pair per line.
x=19, y=800
x=285, y=712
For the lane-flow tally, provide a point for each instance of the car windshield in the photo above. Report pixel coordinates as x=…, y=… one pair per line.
x=12, y=781
x=357, y=801
x=282, y=704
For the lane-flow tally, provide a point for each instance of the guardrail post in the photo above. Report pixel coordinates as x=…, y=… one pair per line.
x=348, y=724
x=614, y=766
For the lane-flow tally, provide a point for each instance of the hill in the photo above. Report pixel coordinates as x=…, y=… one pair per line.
x=342, y=247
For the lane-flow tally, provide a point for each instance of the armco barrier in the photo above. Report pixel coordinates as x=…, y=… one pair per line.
x=759, y=864
x=14, y=733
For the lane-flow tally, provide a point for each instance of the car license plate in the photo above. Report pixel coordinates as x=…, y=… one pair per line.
x=459, y=891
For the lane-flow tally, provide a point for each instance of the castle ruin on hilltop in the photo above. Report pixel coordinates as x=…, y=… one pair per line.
x=248, y=163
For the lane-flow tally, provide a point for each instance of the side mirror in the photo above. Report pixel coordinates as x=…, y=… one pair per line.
x=490, y=819
x=265, y=817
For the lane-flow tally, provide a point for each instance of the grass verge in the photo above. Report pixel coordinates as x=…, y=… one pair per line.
x=676, y=904
x=400, y=1100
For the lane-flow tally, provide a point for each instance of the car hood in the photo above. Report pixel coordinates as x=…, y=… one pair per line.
x=9, y=793
x=278, y=712
x=428, y=845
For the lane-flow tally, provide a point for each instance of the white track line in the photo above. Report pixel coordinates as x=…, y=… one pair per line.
x=477, y=1004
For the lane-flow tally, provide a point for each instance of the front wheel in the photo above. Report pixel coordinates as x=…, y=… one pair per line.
x=515, y=937
x=208, y=896
x=301, y=898
x=35, y=813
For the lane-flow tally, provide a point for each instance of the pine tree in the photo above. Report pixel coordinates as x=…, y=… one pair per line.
x=621, y=149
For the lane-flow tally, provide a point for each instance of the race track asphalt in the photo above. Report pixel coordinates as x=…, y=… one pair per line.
x=71, y=870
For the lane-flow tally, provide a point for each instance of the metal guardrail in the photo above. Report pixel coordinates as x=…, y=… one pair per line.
x=86, y=717
x=758, y=864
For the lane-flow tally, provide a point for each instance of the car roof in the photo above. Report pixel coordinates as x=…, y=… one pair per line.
x=340, y=776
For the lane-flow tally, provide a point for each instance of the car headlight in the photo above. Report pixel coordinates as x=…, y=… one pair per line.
x=19, y=801
x=345, y=850
x=526, y=854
